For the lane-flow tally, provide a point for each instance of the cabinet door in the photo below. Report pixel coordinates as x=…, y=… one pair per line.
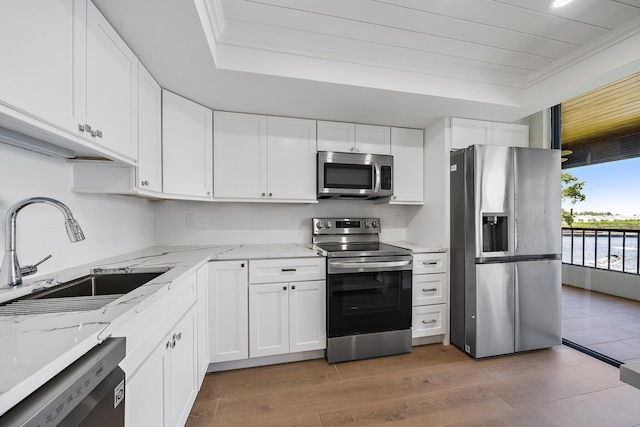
x=336, y=136
x=148, y=389
x=43, y=45
x=291, y=158
x=307, y=314
x=202, y=285
x=510, y=135
x=112, y=87
x=187, y=140
x=183, y=375
x=240, y=153
x=228, y=311
x=466, y=132
x=149, y=133
x=268, y=319
x=373, y=139
x=408, y=158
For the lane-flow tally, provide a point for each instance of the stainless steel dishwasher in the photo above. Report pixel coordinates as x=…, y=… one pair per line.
x=89, y=392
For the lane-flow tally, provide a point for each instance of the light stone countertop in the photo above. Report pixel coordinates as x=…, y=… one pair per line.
x=34, y=348
x=416, y=248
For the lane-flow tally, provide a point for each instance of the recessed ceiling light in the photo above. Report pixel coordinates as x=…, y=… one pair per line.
x=560, y=3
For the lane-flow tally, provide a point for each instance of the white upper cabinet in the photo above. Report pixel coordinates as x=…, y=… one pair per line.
x=373, y=139
x=466, y=132
x=43, y=45
x=408, y=158
x=510, y=134
x=239, y=155
x=149, y=175
x=64, y=65
x=112, y=87
x=255, y=158
x=187, y=140
x=291, y=159
x=336, y=136
x=353, y=138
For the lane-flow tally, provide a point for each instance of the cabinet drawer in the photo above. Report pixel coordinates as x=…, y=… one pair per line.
x=429, y=289
x=286, y=270
x=430, y=263
x=429, y=320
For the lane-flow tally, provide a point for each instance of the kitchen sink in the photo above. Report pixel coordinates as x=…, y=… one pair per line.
x=90, y=292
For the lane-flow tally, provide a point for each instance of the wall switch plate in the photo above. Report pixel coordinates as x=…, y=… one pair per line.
x=188, y=219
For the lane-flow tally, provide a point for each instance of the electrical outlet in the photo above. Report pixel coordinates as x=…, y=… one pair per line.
x=188, y=219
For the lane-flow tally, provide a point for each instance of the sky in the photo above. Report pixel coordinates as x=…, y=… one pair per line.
x=610, y=187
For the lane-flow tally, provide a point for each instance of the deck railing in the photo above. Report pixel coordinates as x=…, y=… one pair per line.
x=608, y=249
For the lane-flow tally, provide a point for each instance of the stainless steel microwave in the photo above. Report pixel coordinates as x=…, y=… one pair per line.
x=354, y=175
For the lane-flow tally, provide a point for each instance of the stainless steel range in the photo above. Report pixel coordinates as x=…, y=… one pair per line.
x=368, y=290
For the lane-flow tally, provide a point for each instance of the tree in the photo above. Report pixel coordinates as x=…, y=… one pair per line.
x=572, y=191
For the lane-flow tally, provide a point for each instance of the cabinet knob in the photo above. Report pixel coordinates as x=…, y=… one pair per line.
x=242, y=265
x=293, y=287
x=99, y=133
x=429, y=290
x=263, y=194
x=353, y=149
x=178, y=336
x=270, y=194
x=81, y=127
x=87, y=128
x=284, y=288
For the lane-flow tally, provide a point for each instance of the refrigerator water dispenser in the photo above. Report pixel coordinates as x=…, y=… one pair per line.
x=495, y=233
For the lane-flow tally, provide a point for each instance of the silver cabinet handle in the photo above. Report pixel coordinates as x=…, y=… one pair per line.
x=429, y=322
x=430, y=290
x=430, y=263
x=287, y=270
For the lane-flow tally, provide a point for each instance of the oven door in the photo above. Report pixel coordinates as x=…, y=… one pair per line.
x=367, y=295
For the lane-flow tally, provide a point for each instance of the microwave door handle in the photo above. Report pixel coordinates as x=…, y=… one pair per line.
x=376, y=188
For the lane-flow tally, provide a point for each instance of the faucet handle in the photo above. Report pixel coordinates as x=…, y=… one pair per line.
x=32, y=269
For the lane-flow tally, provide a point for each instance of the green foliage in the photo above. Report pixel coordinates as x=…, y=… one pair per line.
x=622, y=224
x=572, y=188
x=572, y=191
x=594, y=213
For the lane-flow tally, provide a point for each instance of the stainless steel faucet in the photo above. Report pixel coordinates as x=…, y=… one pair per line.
x=11, y=273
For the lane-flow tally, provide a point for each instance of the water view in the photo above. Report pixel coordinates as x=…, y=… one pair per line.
x=602, y=249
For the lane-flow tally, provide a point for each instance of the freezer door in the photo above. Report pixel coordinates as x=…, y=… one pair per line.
x=537, y=201
x=538, y=290
x=493, y=201
x=494, y=311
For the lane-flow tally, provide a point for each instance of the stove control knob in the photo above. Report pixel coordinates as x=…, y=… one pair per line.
x=374, y=224
x=319, y=224
x=366, y=224
x=327, y=224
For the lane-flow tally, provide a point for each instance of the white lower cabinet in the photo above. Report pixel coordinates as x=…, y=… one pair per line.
x=202, y=288
x=227, y=297
x=286, y=317
x=162, y=390
x=429, y=298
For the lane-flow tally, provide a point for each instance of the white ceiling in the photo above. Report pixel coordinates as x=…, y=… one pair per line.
x=396, y=62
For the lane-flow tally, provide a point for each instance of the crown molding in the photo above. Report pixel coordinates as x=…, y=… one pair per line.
x=607, y=41
x=213, y=22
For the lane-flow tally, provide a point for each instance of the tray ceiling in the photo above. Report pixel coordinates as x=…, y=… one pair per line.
x=399, y=62
x=507, y=42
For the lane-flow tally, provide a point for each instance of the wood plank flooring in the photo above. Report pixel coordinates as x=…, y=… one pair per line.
x=435, y=385
x=604, y=323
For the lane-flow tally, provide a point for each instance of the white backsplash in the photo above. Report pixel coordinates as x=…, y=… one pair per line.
x=203, y=223
x=112, y=224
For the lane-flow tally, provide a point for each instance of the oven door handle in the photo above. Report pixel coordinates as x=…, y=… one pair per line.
x=369, y=264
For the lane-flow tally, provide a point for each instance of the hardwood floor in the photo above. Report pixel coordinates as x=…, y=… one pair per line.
x=604, y=323
x=435, y=385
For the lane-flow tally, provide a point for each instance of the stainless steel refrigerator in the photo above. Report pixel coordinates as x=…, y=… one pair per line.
x=505, y=250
